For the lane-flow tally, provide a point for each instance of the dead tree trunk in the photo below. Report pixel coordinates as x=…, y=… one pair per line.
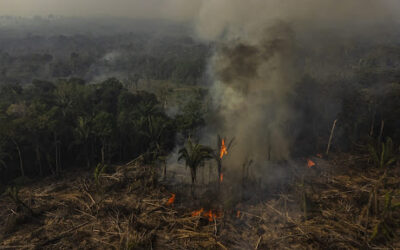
x=219, y=163
x=193, y=175
x=330, y=137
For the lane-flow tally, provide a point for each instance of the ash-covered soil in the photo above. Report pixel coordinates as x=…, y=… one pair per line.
x=336, y=204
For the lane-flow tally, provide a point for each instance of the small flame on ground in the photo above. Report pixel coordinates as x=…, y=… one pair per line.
x=221, y=178
x=197, y=213
x=171, y=200
x=210, y=215
x=310, y=163
x=223, y=151
x=238, y=214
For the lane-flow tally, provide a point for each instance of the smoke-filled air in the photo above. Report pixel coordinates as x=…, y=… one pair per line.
x=257, y=62
x=200, y=124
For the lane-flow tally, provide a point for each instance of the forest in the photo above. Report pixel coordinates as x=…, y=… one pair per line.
x=53, y=48
x=115, y=135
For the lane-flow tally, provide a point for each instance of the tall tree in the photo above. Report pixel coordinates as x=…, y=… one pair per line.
x=14, y=129
x=222, y=148
x=82, y=134
x=103, y=127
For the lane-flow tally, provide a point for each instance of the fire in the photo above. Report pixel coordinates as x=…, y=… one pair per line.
x=171, y=200
x=210, y=215
x=221, y=178
x=310, y=163
x=197, y=213
x=223, y=151
x=238, y=214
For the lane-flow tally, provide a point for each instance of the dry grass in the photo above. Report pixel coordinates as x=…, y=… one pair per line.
x=130, y=212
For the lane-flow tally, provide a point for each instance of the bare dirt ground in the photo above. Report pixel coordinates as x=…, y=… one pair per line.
x=336, y=204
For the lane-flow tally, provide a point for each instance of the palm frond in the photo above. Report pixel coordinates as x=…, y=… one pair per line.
x=383, y=155
x=194, y=155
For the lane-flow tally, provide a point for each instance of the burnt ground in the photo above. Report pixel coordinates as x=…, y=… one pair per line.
x=338, y=204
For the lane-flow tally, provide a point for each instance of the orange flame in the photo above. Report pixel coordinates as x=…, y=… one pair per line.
x=210, y=215
x=221, y=178
x=310, y=163
x=238, y=214
x=197, y=213
x=223, y=151
x=171, y=200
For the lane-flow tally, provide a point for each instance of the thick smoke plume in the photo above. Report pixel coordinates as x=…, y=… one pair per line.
x=257, y=63
x=253, y=83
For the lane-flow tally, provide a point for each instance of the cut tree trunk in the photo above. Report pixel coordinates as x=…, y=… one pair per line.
x=330, y=137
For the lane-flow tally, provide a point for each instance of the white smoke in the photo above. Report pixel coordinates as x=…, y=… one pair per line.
x=253, y=68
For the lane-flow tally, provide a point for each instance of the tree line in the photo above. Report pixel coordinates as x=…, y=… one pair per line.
x=46, y=127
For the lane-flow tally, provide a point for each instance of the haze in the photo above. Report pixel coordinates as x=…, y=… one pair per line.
x=170, y=9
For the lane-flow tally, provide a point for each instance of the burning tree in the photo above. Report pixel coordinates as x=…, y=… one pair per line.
x=222, y=150
x=194, y=155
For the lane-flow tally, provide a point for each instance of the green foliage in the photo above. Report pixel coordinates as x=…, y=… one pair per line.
x=71, y=123
x=83, y=129
x=194, y=155
x=140, y=54
x=389, y=206
x=103, y=126
x=386, y=226
x=305, y=201
x=383, y=155
x=98, y=171
x=191, y=118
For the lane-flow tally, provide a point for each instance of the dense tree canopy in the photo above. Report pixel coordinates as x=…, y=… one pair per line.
x=46, y=127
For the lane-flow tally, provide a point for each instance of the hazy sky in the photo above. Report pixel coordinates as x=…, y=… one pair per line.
x=172, y=9
x=214, y=16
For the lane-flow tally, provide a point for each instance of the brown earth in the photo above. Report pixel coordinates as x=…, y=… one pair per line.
x=336, y=204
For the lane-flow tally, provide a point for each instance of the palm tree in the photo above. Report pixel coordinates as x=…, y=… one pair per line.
x=194, y=155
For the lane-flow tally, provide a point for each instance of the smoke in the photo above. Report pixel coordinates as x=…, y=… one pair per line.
x=259, y=55
x=257, y=62
x=253, y=83
x=235, y=18
x=148, y=9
